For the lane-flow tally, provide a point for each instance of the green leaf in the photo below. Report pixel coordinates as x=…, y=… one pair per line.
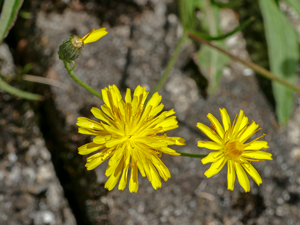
x=283, y=51
x=8, y=16
x=210, y=61
x=295, y=4
x=14, y=91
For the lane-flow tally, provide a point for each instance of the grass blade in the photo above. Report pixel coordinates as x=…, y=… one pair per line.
x=19, y=93
x=8, y=16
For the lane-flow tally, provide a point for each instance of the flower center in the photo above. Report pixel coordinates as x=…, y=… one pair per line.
x=234, y=149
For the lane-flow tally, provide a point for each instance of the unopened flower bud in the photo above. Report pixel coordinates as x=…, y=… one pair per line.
x=71, y=48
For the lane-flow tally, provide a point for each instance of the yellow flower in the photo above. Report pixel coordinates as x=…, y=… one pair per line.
x=127, y=134
x=230, y=146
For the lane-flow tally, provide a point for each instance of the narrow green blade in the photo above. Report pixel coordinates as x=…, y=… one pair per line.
x=283, y=51
x=19, y=93
x=8, y=16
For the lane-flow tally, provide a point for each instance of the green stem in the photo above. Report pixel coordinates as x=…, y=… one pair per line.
x=169, y=67
x=17, y=92
x=262, y=71
x=191, y=155
x=80, y=82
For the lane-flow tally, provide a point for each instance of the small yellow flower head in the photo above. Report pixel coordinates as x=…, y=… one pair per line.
x=72, y=47
x=127, y=133
x=230, y=147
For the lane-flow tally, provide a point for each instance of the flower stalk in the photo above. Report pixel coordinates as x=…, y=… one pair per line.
x=80, y=82
x=191, y=155
x=260, y=70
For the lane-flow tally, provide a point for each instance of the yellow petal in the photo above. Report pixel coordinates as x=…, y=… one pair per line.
x=209, y=145
x=115, y=141
x=114, y=177
x=89, y=148
x=237, y=125
x=212, y=157
x=244, y=122
x=209, y=133
x=154, y=100
x=123, y=180
x=140, y=91
x=101, y=139
x=134, y=182
x=107, y=110
x=257, y=145
x=89, y=131
x=161, y=168
x=251, y=129
x=169, y=151
x=128, y=96
x=94, y=35
x=88, y=123
x=230, y=175
x=106, y=99
x=168, y=124
x=98, y=158
x=156, y=110
x=242, y=176
x=257, y=155
x=253, y=173
x=141, y=161
x=225, y=119
x=155, y=181
x=118, y=153
x=215, y=167
x=100, y=115
x=217, y=124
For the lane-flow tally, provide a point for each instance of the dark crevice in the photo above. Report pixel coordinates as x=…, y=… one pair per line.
x=194, y=72
x=123, y=85
x=80, y=186
x=252, y=205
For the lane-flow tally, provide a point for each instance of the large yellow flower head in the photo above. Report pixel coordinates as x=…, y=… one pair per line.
x=230, y=147
x=127, y=133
